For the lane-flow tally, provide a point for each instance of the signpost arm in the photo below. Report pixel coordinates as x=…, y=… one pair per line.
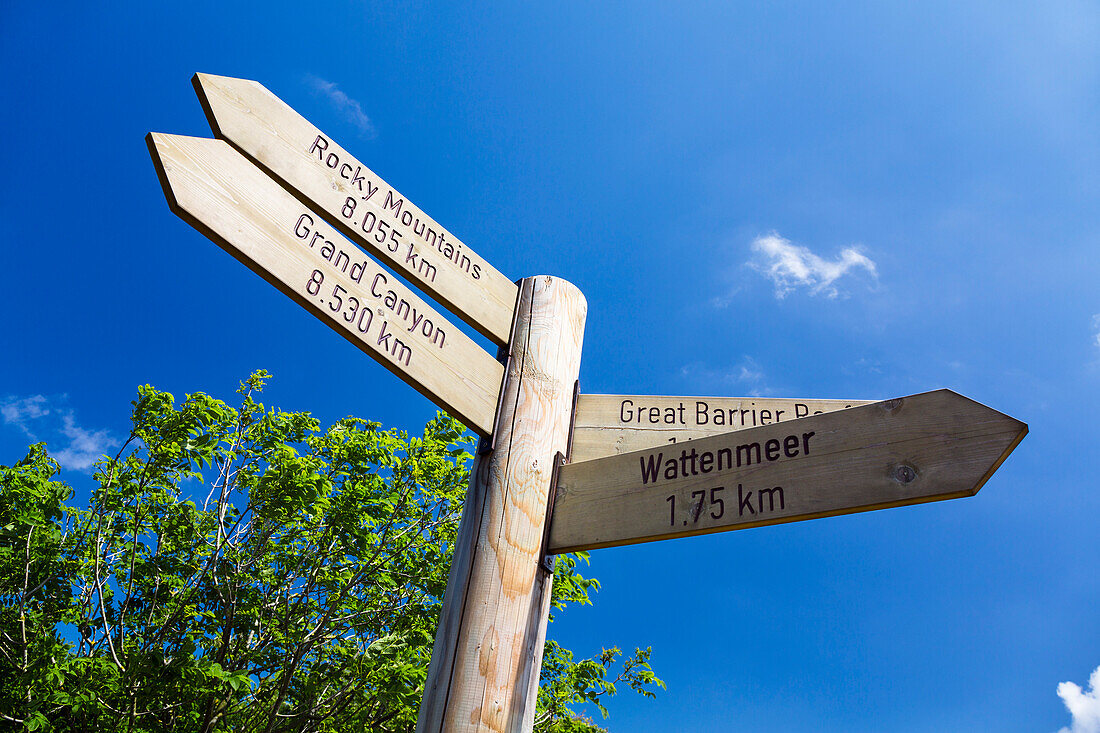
x=488, y=648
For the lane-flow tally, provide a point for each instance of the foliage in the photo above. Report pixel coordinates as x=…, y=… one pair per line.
x=566, y=682
x=241, y=569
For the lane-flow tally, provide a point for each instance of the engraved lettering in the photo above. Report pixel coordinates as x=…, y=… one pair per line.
x=747, y=451
x=790, y=446
x=744, y=501
x=320, y=145
x=415, y=320
x=393, y=204
x=384, y=338
x=771, y=449
x=357, y=179
x=650, y=467
x=771, y=498
x=370, y=190
x=427, y=270
x=301, y=231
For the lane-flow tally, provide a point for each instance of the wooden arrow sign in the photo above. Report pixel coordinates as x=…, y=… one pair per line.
x=927, y=447
x=216, y=190
x=607, y=425
x=361, y=205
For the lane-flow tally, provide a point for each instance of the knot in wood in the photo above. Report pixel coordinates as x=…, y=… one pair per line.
x=904, y=474
x=534, y=373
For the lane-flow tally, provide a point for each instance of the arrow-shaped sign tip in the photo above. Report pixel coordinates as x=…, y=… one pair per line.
x=211, y=90
x=166, y=151
x=1009, y=431
x=161, y=151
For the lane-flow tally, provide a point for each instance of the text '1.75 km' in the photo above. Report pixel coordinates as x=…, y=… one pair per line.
x=655, y=467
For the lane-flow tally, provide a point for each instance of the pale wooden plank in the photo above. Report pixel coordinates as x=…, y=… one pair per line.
x=219, y=192
x=488, y=650
x=358, y=202
x=927, y=447
x=608, y=425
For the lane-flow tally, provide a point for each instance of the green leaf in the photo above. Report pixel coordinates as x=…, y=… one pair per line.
x=252, y=566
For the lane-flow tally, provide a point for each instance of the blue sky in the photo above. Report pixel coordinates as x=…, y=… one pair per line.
x=850, y=200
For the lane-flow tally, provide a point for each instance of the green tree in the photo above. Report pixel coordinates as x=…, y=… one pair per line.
x=242, y=569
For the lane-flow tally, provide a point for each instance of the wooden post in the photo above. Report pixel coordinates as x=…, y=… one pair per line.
x=488, y=647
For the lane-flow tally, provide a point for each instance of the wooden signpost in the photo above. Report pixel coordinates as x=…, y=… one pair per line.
x=228, y=199
x=355, y=200
x=928, y=447
x=275, y=191
x=607, y=425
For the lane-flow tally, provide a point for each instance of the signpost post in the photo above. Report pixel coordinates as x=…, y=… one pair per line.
x=484, y=672
x=274, y=192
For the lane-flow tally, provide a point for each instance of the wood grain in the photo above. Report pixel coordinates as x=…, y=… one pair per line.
x=608, y=425
x=926, y=447
x=488, y=649
x=325, y=176
x=215, y=189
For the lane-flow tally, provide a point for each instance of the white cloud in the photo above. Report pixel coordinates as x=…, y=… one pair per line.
x=71, y=445
x=1096, y=327
x=790, y=266
x=350, y=107
x=18, y=411
x=725, y=300
x=747, y=373
x=85, y=446
x=1083, y=705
